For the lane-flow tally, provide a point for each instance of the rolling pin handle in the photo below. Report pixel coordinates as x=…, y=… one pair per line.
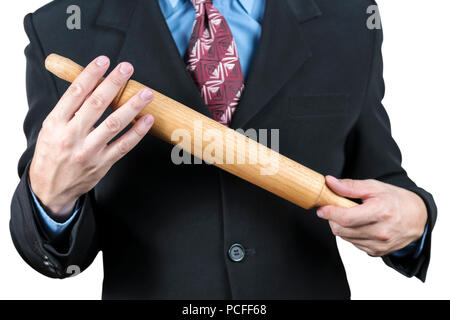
x=328, y=197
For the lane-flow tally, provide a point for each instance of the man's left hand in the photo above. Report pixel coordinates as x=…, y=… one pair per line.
x=389, y=219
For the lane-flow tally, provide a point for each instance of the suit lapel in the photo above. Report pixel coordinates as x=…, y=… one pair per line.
x=282, y=51
x=149, y=46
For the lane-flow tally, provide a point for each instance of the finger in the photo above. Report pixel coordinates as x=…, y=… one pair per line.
x=363, y=244
x=129, y=140
x=372, y=232
x=357, y=216
x=360, y=242
x=83, y=85
x=364, y=249
x=368, y=246
x=351, y=233
x=101, y=98
x=118, y=120
x=357, y=189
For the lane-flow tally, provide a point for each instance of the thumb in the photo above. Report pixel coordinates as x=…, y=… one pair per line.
x=356, y=189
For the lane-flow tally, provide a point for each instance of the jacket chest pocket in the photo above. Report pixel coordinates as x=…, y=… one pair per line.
x=318, y=105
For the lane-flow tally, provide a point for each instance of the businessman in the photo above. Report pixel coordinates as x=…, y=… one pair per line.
x=92, y=181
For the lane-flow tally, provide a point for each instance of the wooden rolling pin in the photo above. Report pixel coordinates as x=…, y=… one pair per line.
x=291, y=181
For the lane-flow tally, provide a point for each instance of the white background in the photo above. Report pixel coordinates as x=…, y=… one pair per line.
x=417, y=70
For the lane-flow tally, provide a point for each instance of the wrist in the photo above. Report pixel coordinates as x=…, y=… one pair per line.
x=59, y=208
x=60, y=212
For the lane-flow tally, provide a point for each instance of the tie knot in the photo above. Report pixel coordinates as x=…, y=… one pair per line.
x=199, y=2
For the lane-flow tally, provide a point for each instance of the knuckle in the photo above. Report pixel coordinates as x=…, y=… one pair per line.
x=383, y=235
x=113, y=124
x=135, y=105
x=96, y=101
x=383, y=208
x=91, y=72
x=117, y=81
x=76, y=89
x=66, y=141
x=345, y=221
x=123, y=147
x=385, y=215
x=335, y=229
x=140, y=132
x=80, y=157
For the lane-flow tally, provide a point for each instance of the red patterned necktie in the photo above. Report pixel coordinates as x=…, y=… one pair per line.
x=212, y=61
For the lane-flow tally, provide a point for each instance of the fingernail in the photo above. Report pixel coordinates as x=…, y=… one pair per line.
x=319, y=213
x=148, y=120
x=334, y=179
x=146, y=95
x=101, y=61
x=125, y=68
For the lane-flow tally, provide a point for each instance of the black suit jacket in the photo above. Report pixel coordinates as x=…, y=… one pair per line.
x=165, y=231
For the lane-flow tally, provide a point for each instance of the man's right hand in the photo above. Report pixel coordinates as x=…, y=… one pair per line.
x=71, y=156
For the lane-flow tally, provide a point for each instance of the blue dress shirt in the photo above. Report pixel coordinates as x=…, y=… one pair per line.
x=244, y=18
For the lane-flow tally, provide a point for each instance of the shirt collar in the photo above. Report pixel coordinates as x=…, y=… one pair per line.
x=174, y=3
x=247, y=4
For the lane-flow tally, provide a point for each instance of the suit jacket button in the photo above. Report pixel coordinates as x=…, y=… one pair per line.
x=236, y=252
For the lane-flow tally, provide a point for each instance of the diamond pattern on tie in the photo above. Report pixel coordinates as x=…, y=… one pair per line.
x=213, y=62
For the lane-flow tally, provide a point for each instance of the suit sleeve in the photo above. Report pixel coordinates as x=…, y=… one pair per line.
x=56, y=258
x=373, y=154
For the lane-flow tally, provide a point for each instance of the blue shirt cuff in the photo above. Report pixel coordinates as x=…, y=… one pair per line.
x=52, y=228
x=414, y=249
